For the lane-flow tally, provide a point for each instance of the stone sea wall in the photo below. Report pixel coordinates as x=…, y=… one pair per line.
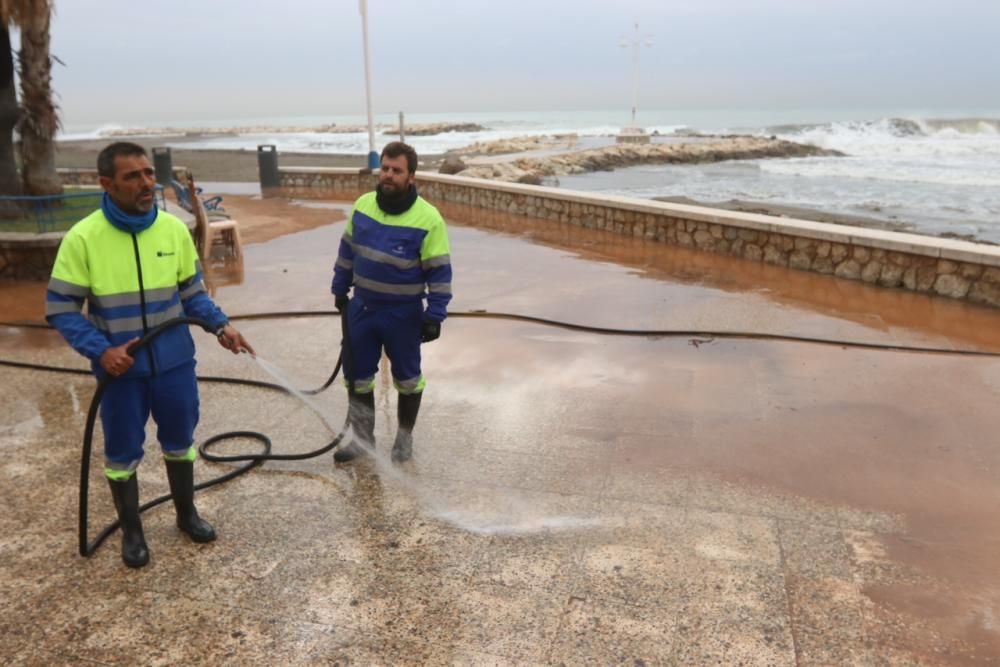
x=949, y=268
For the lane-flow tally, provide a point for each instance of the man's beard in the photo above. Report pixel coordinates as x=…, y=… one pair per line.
x=395, y=202
x=390, y=189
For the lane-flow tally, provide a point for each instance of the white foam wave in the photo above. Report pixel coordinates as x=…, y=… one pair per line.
x=885, y=170
x=97, y=133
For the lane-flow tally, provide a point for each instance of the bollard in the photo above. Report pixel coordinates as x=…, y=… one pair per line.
x=267, y=165
x=163, y=165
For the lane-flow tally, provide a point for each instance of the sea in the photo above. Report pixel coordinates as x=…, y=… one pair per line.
x=929, y=172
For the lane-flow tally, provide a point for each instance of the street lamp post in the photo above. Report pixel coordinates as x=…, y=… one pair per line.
x=636, y=43
x=372, y=155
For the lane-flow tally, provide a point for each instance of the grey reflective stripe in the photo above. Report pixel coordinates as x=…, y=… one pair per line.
x=344, y=263
x=127, y=466
x=409, y=385
x=123, y=324
x=384, y=257
x=67, y=289
x=433, y=262
x=349, y=239
x=189, y=292
x=132, y=298
x=439, y=288
x=388, y=288
x=365, y=385
x=57, y=307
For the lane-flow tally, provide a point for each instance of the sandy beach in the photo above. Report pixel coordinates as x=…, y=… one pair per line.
x=213, y=165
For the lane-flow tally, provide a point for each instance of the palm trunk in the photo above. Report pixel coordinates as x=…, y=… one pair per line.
x=39, y=121
x=10, y=183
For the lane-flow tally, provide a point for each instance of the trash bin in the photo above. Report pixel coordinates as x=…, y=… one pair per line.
x=267, y=165
x=163, y=165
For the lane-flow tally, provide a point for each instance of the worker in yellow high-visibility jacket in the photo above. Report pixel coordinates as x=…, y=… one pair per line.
x=136, y=267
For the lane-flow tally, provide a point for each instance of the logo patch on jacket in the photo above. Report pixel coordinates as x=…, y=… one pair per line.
x=164, y=253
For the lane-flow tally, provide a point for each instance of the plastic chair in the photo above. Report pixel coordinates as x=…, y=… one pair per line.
x=183, y=195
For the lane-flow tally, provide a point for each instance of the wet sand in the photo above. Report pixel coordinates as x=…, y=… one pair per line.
x=214, y=165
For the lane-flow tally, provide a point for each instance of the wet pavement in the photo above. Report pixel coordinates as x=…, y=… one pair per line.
x=574, y=498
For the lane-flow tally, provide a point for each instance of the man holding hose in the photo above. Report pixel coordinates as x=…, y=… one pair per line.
x=136, y=267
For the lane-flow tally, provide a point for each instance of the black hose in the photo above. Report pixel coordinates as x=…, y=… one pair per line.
x=254, y=460
x=606, y=331
x=86, y=548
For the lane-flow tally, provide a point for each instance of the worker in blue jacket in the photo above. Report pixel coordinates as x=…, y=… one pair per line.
x=136, y=267
x=395, y=254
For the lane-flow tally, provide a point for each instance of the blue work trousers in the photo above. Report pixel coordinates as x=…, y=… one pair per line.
x=171, y=397
x=394, y=327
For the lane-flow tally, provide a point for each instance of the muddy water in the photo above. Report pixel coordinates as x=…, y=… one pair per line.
x=887, y=310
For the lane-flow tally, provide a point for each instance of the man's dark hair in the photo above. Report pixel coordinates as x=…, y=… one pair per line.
x=106, y=160
x=394, y=149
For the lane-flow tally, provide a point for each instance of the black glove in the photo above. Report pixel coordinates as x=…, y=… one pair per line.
x=430, y=330
x=340, y=302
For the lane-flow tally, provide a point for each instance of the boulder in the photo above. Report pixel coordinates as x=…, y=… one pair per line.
x=452, y=165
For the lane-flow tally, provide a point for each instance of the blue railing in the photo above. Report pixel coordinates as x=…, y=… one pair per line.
x=53, y=213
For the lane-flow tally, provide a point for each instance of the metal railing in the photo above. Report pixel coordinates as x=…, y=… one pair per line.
x=53, y=213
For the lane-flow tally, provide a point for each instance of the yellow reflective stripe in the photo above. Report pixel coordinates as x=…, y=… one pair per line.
x=120, y=472
x=411, y=386
x=189, y=455
x=363, y=386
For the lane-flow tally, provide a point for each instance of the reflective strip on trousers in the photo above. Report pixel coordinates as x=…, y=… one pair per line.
x=120, y=472
x=411, y=386
x=189, y=455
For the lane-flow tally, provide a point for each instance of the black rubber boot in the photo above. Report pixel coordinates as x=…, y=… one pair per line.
x=406, y=414
x=180, y=474
x=126, y=497
x=361, y=411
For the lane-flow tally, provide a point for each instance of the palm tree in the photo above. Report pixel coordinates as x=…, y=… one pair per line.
x=38, y=121
x=10, y=183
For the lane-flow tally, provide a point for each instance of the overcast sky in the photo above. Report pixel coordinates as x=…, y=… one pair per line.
x=146, y=63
